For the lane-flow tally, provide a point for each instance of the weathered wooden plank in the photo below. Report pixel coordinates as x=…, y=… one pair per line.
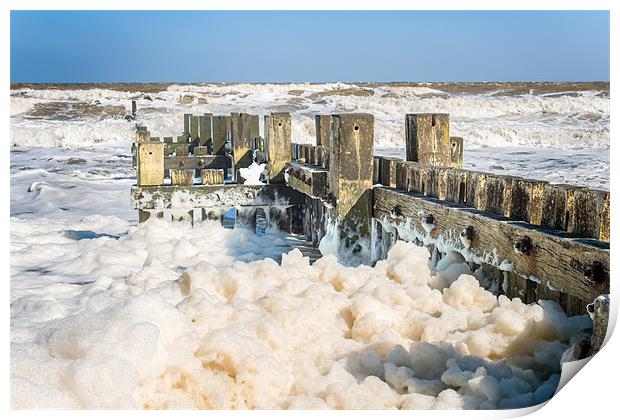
x=557, y=211
x=225, y=196
x=376, y=169
x=195, y=162
x=496, y=189
x=351, y=165
x=186, y=124
x=181, y=150
x=171, y=148
x=205, y=136
x=310, y=180
x=305, y=152
x=289, y=219
x=294, y=151
x=517, y=286
x=278, y=141
x=555, y=258
x=387, y=170
x=323, y=129
x=352, y=137
x=437, y=182
x=212, y=176
x=476, y=190
x=456, y=186
x=456, y=152
x=590, y=207
x=417, y=179
x=201, y=151
x=322, y=156
x=221, y=127
x=604, y=227
x=143, y=136
x=533, y=201
x=194, y=128
x=402, y=173
x=312, y=158
x=251, y=126
x=242, y=154
x=315, y=220
x=428, y=140
x=184, y=177
x=150, y=163
x=526, y=200
x=600, y=321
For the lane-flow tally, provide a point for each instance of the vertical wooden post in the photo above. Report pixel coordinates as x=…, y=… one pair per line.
x=143, y=136
x=212, y=176
x=351, y=170
x=193, y=128
x=376, y=169
x=387, y=171
x=556, y=210
x=134, y=108
x=476, y=190
x=323, y=129
x=221, y=126
x=186, y=123
x=182, y=151
x=201, y=151
x=250, y=127
x=600, y=315
x=278, y=140
x=183, y=177
x=242, y=155
x=604, y=228
x=456, y=152
x=456, y=186
x=495, y=191
x=150, y=162
x=526, y=200
x=428, y=141
x=591, y=210
x=205, y=129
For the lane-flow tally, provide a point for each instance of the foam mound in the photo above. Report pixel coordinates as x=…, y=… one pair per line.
x=294, y=335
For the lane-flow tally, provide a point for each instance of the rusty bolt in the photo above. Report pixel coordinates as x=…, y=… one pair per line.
x=428, y=219
x=468, y=233
x=595, y=273
x=524, y=246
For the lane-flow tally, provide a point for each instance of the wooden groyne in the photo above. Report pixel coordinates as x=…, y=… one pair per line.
x=537, y=240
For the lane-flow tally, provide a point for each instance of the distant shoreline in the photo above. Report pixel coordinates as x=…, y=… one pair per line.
x=511, y=88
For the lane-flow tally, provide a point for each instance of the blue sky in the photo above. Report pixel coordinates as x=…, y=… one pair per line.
x=313, y=46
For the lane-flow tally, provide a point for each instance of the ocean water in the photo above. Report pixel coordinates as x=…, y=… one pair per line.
x=107, y=314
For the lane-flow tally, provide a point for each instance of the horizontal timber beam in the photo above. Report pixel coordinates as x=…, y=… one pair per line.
x=197, y=196
x=308, y=179
x=195, y=162
x=575, y=266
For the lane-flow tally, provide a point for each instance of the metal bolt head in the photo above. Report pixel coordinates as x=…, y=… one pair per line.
x=524, y=246
x=595, y=272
